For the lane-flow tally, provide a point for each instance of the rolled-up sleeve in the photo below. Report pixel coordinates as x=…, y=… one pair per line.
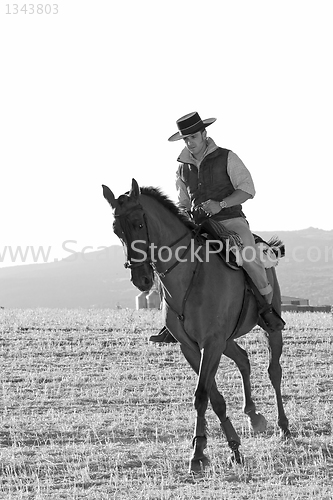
x=183, y=197
x=239, y=175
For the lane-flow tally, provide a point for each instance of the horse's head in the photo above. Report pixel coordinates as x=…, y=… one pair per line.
x=130, y=225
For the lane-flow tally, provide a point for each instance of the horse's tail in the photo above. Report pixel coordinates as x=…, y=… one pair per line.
x=271, y=251
x=277, y=246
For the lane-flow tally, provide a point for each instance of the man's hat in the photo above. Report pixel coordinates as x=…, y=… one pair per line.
x=190, y=124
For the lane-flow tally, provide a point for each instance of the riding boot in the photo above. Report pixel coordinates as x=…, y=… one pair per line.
x=273, y=321
x=163, y=336
x=271, y=318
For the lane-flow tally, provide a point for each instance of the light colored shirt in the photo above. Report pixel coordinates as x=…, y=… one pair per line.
x=240, y=176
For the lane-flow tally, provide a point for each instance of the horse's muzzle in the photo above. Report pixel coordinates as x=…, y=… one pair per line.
x=143, y=277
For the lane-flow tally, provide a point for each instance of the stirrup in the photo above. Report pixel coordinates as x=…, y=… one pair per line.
x=163, y=336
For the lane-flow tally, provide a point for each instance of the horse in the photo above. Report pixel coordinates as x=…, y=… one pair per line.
x=203, y=306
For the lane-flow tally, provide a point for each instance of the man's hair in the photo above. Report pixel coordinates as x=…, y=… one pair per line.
x=201, y=132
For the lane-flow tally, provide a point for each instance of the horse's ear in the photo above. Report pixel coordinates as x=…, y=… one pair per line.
x=109, y=196
x=135, y=190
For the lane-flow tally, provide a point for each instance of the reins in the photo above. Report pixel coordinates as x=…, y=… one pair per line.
x=167, y=271
x=181, y=315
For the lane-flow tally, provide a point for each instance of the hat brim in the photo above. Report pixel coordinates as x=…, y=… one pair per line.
x=177, y=136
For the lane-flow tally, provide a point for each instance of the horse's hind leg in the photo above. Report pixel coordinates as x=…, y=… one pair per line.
x=240, y=357
x=275, y=374
x=275, y=343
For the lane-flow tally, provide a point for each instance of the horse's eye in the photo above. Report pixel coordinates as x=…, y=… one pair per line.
x=140, y=226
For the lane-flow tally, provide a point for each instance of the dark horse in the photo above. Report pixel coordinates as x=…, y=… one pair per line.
x=203, y=304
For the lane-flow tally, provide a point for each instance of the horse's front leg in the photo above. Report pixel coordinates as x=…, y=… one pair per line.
x=199, y=459
x=219, y=407
x=209, y=362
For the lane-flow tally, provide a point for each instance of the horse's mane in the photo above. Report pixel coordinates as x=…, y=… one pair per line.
x=153, y=192
x=162, y=198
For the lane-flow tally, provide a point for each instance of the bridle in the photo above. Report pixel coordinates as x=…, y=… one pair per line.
x=126, y=229
x=129, y=264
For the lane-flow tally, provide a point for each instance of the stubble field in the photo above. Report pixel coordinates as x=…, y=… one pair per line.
x=90, y=409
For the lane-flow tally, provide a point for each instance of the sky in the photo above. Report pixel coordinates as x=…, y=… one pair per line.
x=90, y=94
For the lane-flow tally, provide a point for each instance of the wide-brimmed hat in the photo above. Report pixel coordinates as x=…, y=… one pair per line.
x=190, y=124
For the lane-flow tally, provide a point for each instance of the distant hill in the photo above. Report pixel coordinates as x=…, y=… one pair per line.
x=99, y=279
x=96, y=279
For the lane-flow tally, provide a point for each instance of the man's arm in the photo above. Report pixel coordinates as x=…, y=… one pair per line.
x=183, y=197
x=239, y=175
x=242, y=182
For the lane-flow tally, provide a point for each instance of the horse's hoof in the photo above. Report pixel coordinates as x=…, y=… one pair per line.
x=197, y=465
x=235, y=459
x=285, y=434
x=258, y=423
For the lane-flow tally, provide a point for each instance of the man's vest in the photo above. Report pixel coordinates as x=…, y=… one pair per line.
x=211, y=182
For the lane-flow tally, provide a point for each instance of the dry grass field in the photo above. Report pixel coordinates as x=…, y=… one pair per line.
x=90, y=409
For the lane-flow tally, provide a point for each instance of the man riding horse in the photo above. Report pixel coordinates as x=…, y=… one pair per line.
x=212, y=183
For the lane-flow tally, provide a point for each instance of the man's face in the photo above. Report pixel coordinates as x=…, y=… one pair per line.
x=196, y=143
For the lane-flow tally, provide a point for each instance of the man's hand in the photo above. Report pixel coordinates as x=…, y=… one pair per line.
x=238, y=197
x=211, y=207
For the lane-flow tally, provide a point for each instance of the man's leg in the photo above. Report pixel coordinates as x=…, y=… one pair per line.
x=256, y=270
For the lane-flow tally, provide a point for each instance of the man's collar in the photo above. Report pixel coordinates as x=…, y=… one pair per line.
x=186, y=157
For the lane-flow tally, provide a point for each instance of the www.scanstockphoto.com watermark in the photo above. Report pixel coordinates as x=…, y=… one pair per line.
x=71, y=250
x=232, y=252
x=194, y=252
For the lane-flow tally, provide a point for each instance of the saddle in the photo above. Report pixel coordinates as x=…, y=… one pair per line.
x=214, y=233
